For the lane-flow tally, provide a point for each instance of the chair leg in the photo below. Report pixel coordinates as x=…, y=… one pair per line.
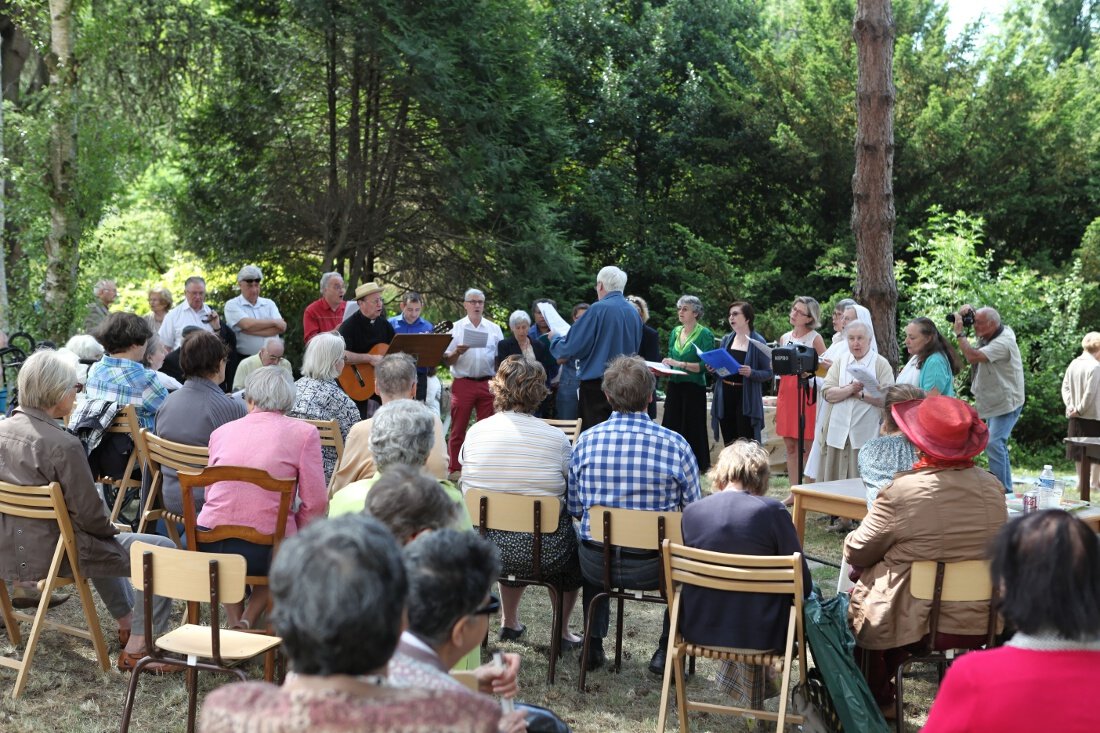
x=681, y=688
x=11, y=623
x=131, y=692
x=92, y=618
x=587, y=640
x=32, y=642
x=192, y=697
x=619, y=636
x=662, y=715
x=557, y=602
x=899, y=700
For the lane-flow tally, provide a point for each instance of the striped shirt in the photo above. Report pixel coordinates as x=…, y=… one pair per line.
x=126, y=383
x=516, y=453
x=631, y=462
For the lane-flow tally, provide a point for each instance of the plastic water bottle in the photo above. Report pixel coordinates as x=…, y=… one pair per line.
x=1046, y=478
x=1046, y=487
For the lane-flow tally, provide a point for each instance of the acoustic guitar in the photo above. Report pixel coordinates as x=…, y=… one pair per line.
x=357, y=380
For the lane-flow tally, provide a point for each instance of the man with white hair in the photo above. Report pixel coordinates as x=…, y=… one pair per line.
x=330, y=310
x=997, y=382
x=105, y=293
x=610, y=328
x=251, y=317
x=271, y=354
x=472, y=367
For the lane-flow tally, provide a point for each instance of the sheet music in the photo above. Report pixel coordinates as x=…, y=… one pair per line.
x=554, y=320
x=867, y=378
x=767, y=350
x=475, y=339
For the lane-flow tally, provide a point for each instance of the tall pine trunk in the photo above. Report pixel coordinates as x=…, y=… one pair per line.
x=873, y=214
x=62, y=241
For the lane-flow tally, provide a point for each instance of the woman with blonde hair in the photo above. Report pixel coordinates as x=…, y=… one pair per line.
x=160, y=302
x=739, y=518
x=805, y=318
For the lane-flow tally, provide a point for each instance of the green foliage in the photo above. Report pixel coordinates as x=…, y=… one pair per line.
x=948, y=271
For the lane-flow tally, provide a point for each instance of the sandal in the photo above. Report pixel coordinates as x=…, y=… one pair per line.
x=127, y=661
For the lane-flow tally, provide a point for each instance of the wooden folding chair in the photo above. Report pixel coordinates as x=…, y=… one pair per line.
x=47, y=503
x=467, y=678
x=571, y=428
x=537, y=515
x=121, y=490
x=635, y=529
x=330, y=438
x=940, y=582
x=196, y=578
x=180, y=457
x=686, y=566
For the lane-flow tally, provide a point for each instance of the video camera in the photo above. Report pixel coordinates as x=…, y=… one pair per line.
x=793, y=359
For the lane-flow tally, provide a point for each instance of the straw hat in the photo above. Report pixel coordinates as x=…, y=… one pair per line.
x=942, y=427
x=367, y=289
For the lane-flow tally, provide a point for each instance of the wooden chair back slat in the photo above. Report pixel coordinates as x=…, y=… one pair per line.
x=571, y=428
x=968, y=580
x=513, y=512
x=636, y=529
x=185, y=575
x=161, y=453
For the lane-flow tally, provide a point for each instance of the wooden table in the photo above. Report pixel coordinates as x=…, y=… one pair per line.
x=845, y=498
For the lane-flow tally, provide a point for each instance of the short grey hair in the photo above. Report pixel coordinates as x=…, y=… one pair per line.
x=270, y=389
x=990, y=313
x=101, y=285
x=694, y=302
x=517, y=318
x=44, y=379
x=395, y=376
x=472, y=291
x=628, y=384
x=85, y=347
x=612, y=278
x=409, y=501
x=194, y=280
x=274, y=341
x=151, y=347
x=328, y=276
x=402, y=433
x=323, y=353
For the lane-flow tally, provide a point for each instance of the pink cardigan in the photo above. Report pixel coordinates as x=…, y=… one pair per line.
x=280, y=445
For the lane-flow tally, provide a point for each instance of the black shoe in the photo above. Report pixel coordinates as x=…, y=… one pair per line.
x=507, y=634
x=596, y=657
x=568, y=646
x=657, y=661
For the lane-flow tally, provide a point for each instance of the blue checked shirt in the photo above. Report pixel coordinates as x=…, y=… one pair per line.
x=126, y=383
x=631, y=462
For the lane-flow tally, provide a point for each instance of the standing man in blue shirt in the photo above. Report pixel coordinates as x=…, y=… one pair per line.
x=410, y=321
x=610, y=328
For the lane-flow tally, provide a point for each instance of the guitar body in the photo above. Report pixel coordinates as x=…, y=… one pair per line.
x=358, y=379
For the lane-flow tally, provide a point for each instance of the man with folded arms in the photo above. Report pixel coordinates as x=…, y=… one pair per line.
x=251, y=317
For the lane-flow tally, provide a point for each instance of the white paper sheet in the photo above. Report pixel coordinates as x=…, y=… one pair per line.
x=474, y=339
x=554, y=320
x=867, y=378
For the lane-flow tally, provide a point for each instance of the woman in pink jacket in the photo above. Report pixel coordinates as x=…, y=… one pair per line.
x=267, y=439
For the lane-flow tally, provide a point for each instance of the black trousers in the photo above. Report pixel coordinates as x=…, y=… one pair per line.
x=594, y=407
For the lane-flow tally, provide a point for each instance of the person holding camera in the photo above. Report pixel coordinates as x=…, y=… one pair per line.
x=997, y=382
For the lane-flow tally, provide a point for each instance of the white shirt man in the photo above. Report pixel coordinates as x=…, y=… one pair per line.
x=193, y=311
x=251, y=317
x=472, y=367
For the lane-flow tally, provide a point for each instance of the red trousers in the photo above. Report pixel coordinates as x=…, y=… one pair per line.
x=466, y=396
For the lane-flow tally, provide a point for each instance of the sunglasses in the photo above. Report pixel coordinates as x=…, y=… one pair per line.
x=491, y=606
x=252, y=280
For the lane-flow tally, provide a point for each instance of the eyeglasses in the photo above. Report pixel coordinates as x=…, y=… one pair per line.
x=78, y=388
x=491, y=606
x=734, y=313
x=797, y=312
x=252, y=280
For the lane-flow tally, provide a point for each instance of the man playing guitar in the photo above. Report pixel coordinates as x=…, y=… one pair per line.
x=363, y=332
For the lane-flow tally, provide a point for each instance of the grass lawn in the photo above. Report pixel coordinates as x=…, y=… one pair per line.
x=67, y=691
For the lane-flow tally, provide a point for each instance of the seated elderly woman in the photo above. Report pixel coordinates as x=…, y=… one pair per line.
x=947, y=509
x=739, y=518
x=266, y=439
x=87, y=352
x=339, y=590
x=515, y=452
x=119, y=376
x=852, y=415
x=153, y=360
x=521, y=344
x=36, y=450
x=402, y=434
x=1047, y=567
x=197, y=409
x=890, y=451
x=319, y=397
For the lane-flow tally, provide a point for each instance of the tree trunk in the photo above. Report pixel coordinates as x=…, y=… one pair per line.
x=5, y=310
x=873, y=214
x=62, y=241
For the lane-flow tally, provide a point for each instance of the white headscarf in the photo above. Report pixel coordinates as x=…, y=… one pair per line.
x=864, y=316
